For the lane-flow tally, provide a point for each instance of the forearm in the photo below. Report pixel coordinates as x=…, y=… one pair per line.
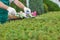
x=19, y=4
x=2, y=5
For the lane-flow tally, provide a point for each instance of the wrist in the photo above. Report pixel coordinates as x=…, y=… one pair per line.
x=8, y=8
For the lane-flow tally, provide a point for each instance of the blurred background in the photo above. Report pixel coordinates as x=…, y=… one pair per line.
x=41, y=6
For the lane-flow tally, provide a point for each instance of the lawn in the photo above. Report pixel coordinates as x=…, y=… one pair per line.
x=42, y=27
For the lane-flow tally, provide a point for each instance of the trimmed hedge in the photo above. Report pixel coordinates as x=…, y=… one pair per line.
x=43, y=27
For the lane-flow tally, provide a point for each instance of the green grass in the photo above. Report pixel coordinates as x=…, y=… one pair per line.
x=43, y=27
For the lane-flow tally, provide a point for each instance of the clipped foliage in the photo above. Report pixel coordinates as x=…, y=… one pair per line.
x=43, y=27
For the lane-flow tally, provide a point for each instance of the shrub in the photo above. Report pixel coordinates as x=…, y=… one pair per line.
x=45, y=8
x=43, y=27
x=51, y=5
x=37, y=5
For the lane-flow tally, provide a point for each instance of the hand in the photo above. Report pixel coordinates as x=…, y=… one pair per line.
x=11, y=11
x=27, y=10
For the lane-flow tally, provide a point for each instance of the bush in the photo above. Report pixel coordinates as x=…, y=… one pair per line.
x=43, y=27
x=45, y=8
x=37, y=5
x=51, y=5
